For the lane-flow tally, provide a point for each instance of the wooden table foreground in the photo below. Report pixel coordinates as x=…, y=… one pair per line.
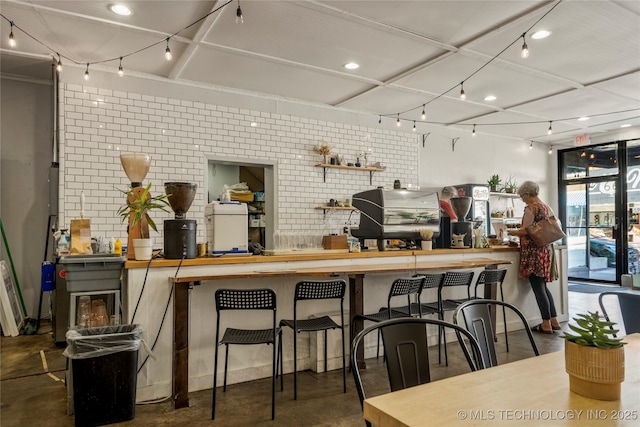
x=529, y=392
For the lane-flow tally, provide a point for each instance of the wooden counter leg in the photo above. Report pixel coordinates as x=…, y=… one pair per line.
x=181, y=345
x=356, y=306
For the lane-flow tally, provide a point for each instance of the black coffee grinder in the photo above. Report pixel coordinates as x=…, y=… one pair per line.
x=461, y=206
x=180, y=233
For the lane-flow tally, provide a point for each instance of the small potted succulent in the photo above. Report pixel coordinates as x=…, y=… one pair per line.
x=594, y=357
x=494, y=182
x=510, y=186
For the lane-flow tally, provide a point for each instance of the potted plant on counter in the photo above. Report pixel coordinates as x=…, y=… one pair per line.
x=594, y=357
x=139, y=203
x=494, y=182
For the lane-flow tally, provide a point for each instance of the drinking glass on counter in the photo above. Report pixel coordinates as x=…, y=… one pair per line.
x=99, y=311
x=83, y=318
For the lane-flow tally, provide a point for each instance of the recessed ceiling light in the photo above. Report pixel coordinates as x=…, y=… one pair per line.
x=490, y=98
x=583, y=119
x=626, y=125
x=120, y=9
x=351, y=66
x=540, y=34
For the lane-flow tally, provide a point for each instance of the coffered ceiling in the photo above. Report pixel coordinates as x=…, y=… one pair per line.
x=410, y=53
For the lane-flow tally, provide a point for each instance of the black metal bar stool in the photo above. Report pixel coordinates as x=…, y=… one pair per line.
x=245, y=299
x=451, y=279
x=490, y=277
x=307, y=291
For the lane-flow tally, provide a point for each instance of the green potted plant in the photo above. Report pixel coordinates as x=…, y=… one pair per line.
x=510, y=186
x=139, y=204
x=494, y=182
x=594, y=357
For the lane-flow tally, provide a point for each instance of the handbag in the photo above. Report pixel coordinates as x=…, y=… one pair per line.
x=545, y=231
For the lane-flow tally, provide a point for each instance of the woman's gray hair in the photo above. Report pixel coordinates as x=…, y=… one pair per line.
x=528, y=187
x=450, y=190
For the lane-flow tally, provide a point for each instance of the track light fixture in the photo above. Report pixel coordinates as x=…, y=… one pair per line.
x=525, y=49
x=398, y=121
x=531, y=145
x=86, y=73
x=473, y=132
x=59, y=64
x=462, y=94
x=414, y=126
x=380, y=119
x=12, y=40
x=550, y=130
x=120, y=69
x=167, y=52
x=424, y=113
x=550, y=149
x=239, y=18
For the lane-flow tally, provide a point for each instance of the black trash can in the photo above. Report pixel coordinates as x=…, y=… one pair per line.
x=104, y=363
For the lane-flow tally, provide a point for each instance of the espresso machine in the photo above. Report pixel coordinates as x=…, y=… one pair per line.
x=461, y=206
x=180, y=233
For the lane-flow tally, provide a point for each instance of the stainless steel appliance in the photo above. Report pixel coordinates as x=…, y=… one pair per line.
x=396, y=214
x=479, y=209
x=60, y=313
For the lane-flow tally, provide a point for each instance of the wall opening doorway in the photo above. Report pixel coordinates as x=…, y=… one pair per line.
x=259, y=177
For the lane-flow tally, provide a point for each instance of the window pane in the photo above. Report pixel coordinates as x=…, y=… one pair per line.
x=590, y=161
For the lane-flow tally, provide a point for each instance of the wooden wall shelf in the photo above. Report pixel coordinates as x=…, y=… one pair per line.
x=326, y=208
x=505, y=195
x=369, y=169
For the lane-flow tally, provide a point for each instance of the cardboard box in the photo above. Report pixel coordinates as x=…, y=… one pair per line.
x=335, y=242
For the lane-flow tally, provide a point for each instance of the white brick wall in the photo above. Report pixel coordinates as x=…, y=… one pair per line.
x=98, y=124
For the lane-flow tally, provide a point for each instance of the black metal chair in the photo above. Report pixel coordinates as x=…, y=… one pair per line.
x=431, y=281
x=407, y=287
x=315, y=290
x=406, y=351
x=245, y=299
x=451, y=279
x=475, y=316
x=490, y=277
x=629, y=309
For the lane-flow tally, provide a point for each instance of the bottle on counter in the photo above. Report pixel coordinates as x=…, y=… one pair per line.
x=117, y=247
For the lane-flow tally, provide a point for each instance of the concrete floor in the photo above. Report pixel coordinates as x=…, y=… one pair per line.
x=32, y=393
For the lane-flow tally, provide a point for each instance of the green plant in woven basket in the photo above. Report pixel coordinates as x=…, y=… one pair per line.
x=593, y=330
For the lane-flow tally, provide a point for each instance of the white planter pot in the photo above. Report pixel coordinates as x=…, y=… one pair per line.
x=143, y=249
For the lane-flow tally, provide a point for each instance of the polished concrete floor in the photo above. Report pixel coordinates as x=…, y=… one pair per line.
x=32, y=394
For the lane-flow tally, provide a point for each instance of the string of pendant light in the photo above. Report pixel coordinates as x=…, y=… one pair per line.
x=524, y=53
x=167, y=53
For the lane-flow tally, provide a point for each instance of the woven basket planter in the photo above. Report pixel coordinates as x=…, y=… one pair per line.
x=594, y=372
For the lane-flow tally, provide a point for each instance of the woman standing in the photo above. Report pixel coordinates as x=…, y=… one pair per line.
x=535, y=262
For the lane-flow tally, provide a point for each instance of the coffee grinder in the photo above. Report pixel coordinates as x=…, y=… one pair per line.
x=180, y=233
x=136, y=166
x=461, y=206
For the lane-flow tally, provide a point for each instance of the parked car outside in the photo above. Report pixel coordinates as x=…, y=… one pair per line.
x=607, y=249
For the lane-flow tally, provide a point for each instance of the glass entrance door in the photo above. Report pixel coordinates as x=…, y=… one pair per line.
x=601, y=206
x=591, y=231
